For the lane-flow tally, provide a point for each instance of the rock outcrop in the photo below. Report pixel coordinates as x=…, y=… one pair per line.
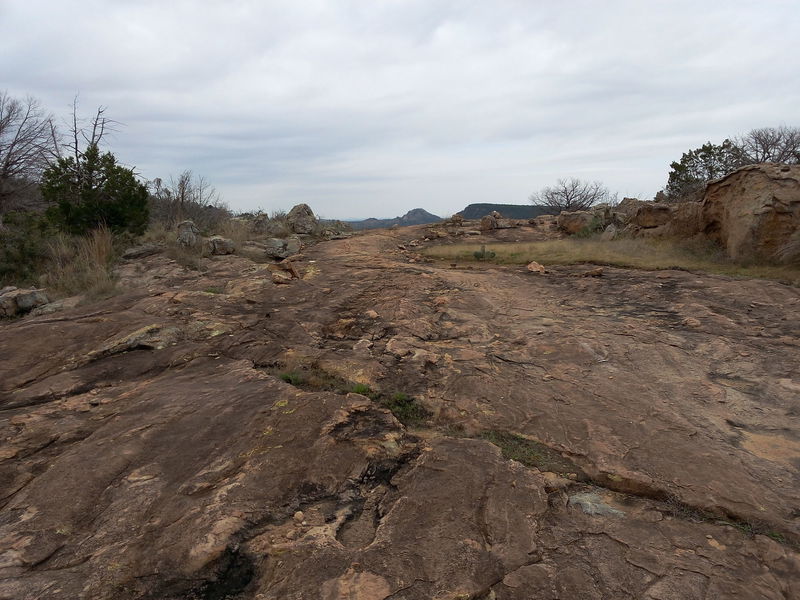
x=580, y=434
x=573, y=222
x=754, y=211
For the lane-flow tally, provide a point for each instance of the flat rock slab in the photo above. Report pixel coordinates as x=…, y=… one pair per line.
x=634, y=435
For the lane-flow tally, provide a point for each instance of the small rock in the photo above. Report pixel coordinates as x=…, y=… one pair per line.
x=535, y=267
x=371, y=314
x=279, y=277
x=299, y=516
x=597, y=272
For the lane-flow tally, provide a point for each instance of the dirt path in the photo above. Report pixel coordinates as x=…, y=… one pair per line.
x=149, y=451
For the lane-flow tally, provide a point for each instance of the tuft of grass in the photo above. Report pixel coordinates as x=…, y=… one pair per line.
x=293, y=378
x=363, y=389
x=81, y=264
x=406, y=409
x=531, y=453
x=632, y=253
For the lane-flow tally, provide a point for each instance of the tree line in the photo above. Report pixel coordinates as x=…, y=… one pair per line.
x=689, y=175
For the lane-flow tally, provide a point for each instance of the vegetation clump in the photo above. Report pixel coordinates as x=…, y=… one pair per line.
x=531, y=453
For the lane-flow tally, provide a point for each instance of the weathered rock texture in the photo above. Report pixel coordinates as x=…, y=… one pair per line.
x=301, y=219
x=149, y=451
x=15, y=301
x=573, y=222
x=755, y=210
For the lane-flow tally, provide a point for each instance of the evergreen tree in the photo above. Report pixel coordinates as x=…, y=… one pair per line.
x=93, y=190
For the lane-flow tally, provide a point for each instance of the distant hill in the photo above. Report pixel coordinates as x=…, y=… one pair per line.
x=418, y=216
x=510, y=211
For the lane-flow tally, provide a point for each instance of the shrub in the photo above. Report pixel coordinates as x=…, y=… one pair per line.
x=93, y=191
x=23, y=247
x=482, y=254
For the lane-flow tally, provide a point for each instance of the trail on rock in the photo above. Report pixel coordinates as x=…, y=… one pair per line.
x=151, y=451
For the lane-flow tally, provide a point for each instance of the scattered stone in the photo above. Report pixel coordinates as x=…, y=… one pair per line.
x=371, y=314
x=472, y=232
x=298, y=516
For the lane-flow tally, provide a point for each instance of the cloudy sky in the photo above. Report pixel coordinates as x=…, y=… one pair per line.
x=373, y=107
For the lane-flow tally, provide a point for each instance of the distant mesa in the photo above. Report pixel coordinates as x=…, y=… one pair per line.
x=418, y=216
x=509, y=211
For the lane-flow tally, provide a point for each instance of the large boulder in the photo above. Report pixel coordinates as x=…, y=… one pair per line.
x=301, y=219
x=754, y=211
x=488, y=222
x=219, y=245
x=279, y=248
x=15, y=302
x=188, y=234
x=573, y=222
x=651, y=214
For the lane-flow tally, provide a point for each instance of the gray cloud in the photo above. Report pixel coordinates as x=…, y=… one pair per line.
x=365, y=108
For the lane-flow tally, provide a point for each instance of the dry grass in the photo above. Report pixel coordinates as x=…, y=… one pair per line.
x=633, y=253
x=238, y=230
x=80, y=264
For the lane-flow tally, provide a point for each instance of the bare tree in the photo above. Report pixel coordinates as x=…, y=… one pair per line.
x=771, y=144
x=28, y=141
x=572, y=194
x=186, y=197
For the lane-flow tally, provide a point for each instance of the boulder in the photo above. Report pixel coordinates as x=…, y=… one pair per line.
x=545, y=221
x=14, y=302
x=573, y=222
x=188, y=234
x=754, y=211
x=488, y=223
x=609, y=233
x=275, y=248
x=219, y=245
x=496, y=214
x=293, y=245
x=651, y=214
x=301, y=219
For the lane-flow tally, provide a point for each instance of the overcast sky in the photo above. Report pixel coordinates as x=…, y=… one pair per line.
x=374, y=107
